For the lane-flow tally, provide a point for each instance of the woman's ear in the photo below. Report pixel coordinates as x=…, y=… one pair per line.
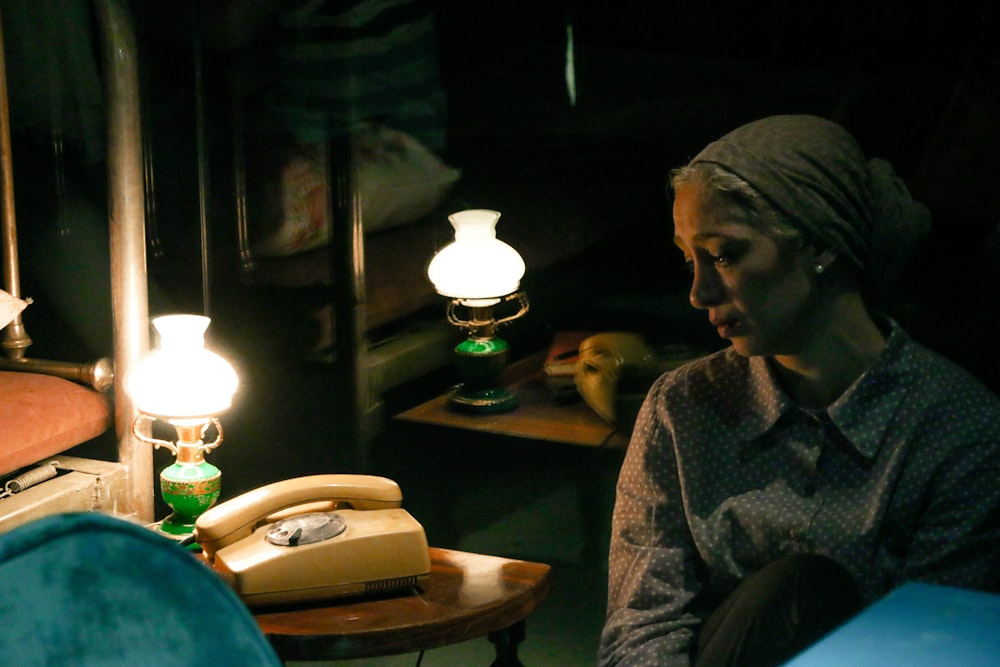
x=823, y=258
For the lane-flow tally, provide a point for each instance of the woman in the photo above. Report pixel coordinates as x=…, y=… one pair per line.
x=774, y=488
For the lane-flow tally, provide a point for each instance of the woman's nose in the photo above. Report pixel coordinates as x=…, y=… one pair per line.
x=706, y=289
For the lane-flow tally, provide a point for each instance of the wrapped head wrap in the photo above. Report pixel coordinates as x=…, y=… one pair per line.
x=812, y=172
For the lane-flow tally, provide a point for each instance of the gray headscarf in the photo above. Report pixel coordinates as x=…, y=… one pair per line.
x=815, y=174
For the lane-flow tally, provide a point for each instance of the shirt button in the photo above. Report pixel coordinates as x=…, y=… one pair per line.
x=795, y=541
x=809, y=490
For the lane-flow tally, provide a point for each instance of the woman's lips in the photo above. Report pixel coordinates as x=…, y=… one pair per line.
x=726, y=328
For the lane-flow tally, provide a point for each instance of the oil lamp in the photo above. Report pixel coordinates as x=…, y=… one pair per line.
x=186, y=386
x=481, y=275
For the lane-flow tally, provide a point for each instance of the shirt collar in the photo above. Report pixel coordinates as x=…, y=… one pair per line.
x=862, y=413
x=865, y=411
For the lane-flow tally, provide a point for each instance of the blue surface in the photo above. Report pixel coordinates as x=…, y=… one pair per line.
x=915, y=625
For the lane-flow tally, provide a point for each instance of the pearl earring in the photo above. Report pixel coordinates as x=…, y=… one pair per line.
x=820, y=269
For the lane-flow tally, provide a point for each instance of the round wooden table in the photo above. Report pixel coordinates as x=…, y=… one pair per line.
x=466, y=596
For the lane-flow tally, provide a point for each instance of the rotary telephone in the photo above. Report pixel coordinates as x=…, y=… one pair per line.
x=314, y=538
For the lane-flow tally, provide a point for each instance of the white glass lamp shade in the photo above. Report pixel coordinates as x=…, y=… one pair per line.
x=181, y=380
x=477, y=265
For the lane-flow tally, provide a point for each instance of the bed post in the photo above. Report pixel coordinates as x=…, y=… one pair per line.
x=348, y=273
x=126, y=206
x=15, y=337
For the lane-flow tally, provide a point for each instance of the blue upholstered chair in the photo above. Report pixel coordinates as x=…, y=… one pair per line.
x=88, y=589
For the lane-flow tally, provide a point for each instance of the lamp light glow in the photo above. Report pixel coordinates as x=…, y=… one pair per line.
x=182, y=379
x=187, y=386
x=480, y=273
x=477, y=265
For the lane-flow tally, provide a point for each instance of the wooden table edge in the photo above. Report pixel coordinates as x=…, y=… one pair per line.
x=419, y=635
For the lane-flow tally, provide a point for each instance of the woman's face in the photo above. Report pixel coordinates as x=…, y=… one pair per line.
x=759, y=290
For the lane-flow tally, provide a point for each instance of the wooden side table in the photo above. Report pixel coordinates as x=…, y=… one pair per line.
x=539, y=415
x=467, y=596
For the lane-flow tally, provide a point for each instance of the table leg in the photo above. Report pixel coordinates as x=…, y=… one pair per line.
x=506, y=642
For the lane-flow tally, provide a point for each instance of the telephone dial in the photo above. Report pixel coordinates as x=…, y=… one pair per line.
x=314, y=538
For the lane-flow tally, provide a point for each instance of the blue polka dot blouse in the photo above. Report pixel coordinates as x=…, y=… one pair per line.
x=897, y=480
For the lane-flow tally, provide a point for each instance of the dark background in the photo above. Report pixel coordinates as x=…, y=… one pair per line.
x=656, y=81
x=916, y=83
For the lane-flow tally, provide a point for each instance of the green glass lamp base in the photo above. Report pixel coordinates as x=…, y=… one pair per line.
x=178, y=531
x=482, y=401
x=480, y=362
x=189, y=489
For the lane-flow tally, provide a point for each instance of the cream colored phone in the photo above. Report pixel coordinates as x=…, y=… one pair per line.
x=313, y=538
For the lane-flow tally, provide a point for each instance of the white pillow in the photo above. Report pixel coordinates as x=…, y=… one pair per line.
x=10, y=306
x=401, y=181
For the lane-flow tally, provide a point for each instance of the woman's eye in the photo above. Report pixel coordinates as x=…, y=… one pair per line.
x=722, y=260
x=728, y=256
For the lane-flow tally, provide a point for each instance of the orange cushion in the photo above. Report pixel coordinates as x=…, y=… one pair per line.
x=43, y=415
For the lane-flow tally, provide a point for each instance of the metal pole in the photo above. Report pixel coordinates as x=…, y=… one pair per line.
x=126, y=207
x=348, y=273
x=16, y=339
x=199, y=109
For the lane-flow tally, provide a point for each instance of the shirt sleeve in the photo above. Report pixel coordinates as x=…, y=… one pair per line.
x=652, y=561
x=956, y=537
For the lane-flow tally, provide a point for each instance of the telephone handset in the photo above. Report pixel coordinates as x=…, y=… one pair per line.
x=315, y=537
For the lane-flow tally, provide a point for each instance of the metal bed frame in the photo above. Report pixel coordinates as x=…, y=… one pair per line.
x=129, y=296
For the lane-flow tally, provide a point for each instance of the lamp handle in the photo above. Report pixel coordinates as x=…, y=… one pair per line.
x=523, y=307
x=141, y=419
x=207, y=447
x=482, y=322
